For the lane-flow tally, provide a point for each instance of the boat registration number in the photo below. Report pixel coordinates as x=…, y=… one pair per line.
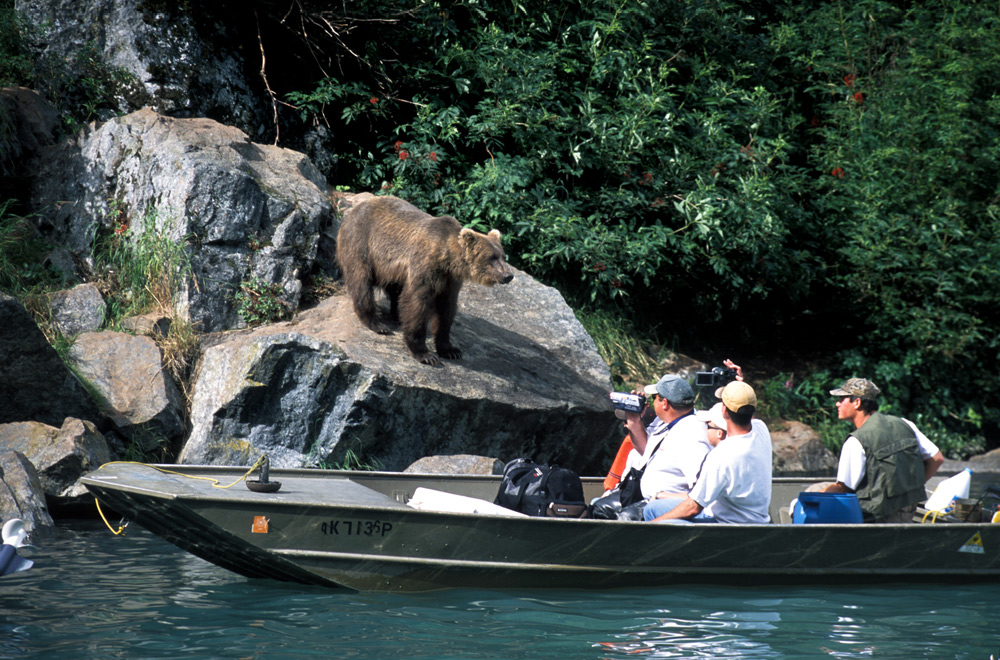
x=356, y=527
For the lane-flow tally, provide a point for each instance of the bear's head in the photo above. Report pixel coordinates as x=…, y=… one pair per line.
x=484, y=257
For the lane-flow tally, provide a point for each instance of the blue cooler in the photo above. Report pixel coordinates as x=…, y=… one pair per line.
x=813, y=508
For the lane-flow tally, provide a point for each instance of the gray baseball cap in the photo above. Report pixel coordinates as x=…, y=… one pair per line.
x=674, y=389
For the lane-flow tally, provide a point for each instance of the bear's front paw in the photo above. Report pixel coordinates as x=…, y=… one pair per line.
x=427, y=358
x=450, y=352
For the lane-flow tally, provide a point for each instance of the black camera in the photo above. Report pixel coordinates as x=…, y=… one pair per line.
x=717, y=377
x=628, y=402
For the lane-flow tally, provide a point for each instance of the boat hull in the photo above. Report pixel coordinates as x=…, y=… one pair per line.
x=353, y=530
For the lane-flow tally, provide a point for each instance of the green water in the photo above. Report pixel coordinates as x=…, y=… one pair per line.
x=94, y=596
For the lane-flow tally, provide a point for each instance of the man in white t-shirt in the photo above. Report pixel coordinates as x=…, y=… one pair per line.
x=674, y=445
x=901, y=457
x=735, y=481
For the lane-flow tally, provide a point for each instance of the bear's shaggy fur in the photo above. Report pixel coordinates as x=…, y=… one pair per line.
x=420, y=261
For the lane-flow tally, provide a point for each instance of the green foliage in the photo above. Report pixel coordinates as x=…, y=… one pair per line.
x=352, y=461
x=806, y=400
x=15, y=59
x=906, y=145
x=22, y=255
x=141, y=266
x=621, y=347
x=258, y=302
x=146, y=445
x=609, y=142
x=86, y=88
x=815, y=174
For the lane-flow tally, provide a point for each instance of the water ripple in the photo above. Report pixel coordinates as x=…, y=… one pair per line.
x=92, y=596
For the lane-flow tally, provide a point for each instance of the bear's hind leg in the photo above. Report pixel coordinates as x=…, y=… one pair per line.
x=361, y=289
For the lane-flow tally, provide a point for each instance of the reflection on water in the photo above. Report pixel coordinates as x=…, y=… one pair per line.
x=93, y=596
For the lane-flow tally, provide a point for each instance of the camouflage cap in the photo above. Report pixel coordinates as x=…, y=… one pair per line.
x=859, y=387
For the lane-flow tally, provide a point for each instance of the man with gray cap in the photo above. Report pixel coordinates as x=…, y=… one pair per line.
x=671, y=449
x=886, y=461
x=735, y=482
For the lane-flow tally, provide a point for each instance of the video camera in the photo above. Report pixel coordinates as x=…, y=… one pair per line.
x=628, y=402
x=717, y=377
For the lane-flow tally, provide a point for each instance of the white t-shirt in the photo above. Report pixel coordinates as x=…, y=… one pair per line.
x=735, y=483
x=674, y=456
x=851, y=468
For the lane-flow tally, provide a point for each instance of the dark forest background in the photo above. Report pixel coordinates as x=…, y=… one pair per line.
x=810, y=188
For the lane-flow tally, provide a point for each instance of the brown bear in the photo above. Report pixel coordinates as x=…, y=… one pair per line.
x=420, y=261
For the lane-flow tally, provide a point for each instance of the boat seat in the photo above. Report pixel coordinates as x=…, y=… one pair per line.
x=427, y=499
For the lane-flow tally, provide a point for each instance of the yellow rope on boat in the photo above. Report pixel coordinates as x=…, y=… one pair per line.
x=933, y=514
x=215, y=483
x=121, y=529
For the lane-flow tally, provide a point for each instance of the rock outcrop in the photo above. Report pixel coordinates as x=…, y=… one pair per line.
x=22, y=495
x=61, y=455
x=988, y=462
x=245, y=211
x=308, y=391
x=154, y=53
x=137, y=395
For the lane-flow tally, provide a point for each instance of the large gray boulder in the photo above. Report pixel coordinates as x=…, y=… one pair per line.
x=34, y=382
x=22, y=495
x=309, y=391
x=60, y=455
x=244, y=211
x=138, y=396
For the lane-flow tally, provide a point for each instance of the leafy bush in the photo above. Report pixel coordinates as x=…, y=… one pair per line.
x=141, y=267
x=15, y=60
x=819, y=175
x=610, y=143
x=906, y=145
x=258, y=302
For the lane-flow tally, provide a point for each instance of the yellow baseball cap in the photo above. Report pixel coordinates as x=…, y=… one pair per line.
x=738, y=397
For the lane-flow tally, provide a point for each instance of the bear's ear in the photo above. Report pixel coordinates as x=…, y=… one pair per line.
x=495, y=235
x=467, y=236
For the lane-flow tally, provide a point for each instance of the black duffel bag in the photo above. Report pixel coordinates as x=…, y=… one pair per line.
x=539, y=490
x=625, y=502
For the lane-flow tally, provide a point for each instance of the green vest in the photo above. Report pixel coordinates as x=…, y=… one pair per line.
x=894, y=471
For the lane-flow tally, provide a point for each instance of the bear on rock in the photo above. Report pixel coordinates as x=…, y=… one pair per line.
x=420, y=262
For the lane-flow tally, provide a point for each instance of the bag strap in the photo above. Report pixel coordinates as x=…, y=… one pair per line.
x=646, y=462
x=542, y=484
